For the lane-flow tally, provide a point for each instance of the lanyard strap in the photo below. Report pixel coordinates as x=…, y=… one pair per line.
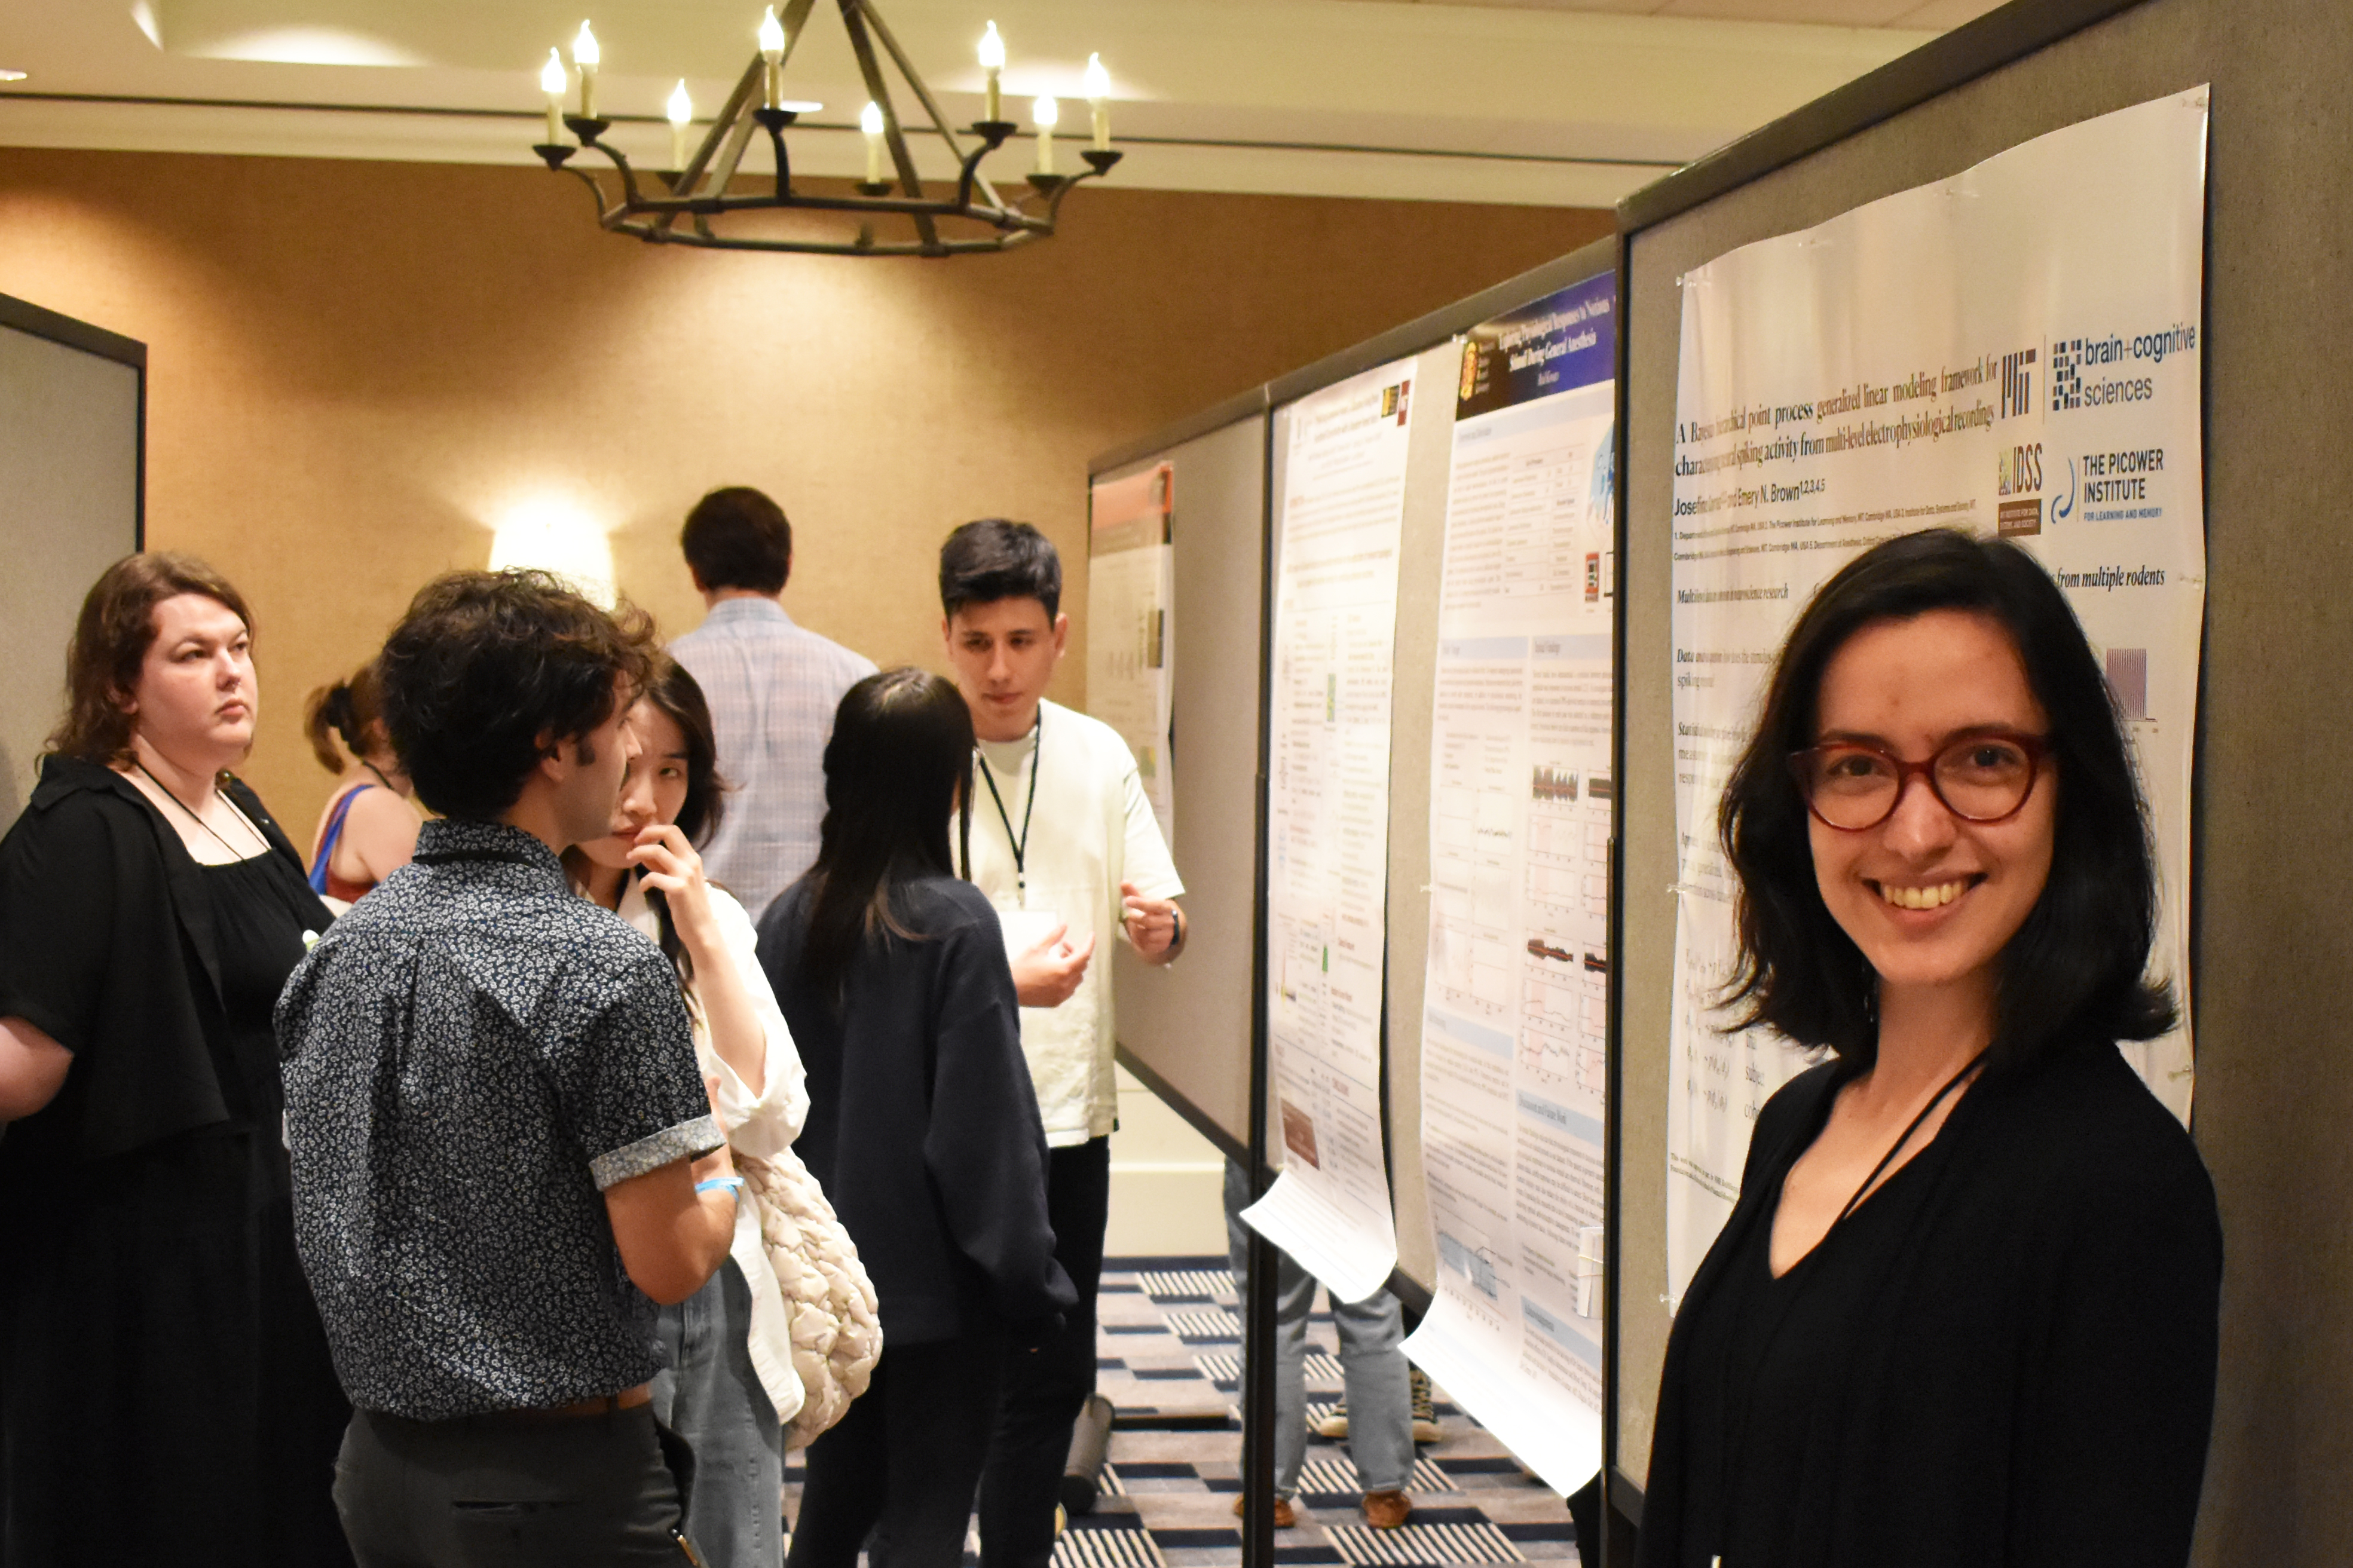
x=1896, y=1148
x=1029, y=813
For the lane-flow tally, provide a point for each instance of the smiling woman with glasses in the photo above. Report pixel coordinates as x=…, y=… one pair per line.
x=1965, y=1310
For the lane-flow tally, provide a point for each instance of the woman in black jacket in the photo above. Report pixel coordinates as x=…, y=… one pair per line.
x=1965, y=1311
x=922, y=1125
x=165, y=1390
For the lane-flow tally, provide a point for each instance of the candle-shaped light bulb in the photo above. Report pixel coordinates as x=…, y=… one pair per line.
x=992, y=66
x=587, y=57
x=552, y=80
x=772, y=50
x=681, y=108
x=870, y=120
x=1043, y=115
x=1099, y=100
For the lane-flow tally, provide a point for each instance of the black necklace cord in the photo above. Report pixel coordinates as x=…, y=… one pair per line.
x=199, y=821
x=1896, y=1148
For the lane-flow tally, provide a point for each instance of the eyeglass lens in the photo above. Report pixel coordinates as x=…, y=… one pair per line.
x=1980, y=780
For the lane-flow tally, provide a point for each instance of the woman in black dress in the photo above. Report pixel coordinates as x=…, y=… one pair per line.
x=165, y=1391
x=1965, y=1311
x=923, y=1124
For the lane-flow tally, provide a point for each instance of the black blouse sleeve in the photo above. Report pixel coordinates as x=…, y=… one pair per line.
x=986, y=1147
x=56, y=920
x=93, y=953
x=2114, y=1449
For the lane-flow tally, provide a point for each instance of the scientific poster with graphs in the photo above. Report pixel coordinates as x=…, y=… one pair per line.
x=1514, y=1023
x=1339, y=522
x=1983, y=355
x=1131, y=585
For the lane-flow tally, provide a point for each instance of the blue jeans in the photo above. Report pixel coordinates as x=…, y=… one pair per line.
x=708, y=1394
x=1380, y=1398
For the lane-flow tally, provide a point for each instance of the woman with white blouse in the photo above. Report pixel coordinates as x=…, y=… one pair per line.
x=729, y=1385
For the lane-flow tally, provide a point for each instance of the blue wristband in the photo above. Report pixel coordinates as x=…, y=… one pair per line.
x=735, y=1184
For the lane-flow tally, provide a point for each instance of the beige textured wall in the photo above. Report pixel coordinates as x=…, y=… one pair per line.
x=357, y=368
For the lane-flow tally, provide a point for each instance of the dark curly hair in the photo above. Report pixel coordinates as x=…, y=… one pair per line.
x=488, y=670
x=110, y=639
x=2076, y=970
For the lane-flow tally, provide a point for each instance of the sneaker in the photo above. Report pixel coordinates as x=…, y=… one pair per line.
x=1285, y=1516
x=1386, y=1510
x=1425, y=1409
x=1334, y=1424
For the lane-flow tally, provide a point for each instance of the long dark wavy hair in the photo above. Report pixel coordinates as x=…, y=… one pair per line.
x=898, y=769
x=675, y=692
x=2076, y=968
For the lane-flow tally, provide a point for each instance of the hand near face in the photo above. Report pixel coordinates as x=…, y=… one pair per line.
x=1048, y=974
x=667, y=861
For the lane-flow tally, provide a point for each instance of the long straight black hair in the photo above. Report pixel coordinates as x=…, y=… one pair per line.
x=2076, y=968
x=673, y=690
x=898, y=769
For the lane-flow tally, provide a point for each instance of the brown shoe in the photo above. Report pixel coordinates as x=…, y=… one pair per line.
x=1285, y=1516
x=1386, y=1510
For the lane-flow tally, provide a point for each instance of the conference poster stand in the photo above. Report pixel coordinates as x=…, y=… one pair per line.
x=1197, y=1034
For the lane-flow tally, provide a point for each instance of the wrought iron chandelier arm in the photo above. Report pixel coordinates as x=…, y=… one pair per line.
x=702, y=189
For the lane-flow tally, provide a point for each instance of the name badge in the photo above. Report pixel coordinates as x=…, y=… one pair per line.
x=1025, y=929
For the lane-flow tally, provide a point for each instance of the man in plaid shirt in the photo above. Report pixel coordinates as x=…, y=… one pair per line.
x=772, y=686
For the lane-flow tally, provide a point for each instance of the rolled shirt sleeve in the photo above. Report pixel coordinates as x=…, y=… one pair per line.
x=631, y=1090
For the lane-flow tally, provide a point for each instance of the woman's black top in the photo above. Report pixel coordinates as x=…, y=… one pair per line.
x=2004, y=1358
x=166, y=1388
x=922, y=1125
x=1767, y=1348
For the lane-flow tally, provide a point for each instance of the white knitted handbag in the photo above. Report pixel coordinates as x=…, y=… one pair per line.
x=837, y=1329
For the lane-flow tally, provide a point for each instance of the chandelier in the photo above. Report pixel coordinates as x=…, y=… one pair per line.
x=895, y=212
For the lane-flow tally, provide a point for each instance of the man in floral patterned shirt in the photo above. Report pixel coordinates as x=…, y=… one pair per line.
x=503, y=1150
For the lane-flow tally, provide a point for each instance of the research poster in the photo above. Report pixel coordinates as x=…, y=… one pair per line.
x=1130, y=590
x=1339, y=519
x=1513, y=1031
x=2015, y=350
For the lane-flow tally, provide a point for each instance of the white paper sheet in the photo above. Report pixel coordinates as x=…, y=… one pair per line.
x=1131, y=589
x=2013, y=350
x=1339, y=522
x=1513, y=1036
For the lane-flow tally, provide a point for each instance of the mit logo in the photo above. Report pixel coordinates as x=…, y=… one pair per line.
x=2017, y=383
x=2066, y=374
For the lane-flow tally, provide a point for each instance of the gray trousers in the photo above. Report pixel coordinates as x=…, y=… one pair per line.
x=709, y=1395
x=1374, y=1370
x=588, y=1492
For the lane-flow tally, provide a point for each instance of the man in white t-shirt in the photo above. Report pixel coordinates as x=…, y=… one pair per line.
x=1066, y=846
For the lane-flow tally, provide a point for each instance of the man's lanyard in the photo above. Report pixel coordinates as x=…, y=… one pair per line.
x=1029, y=813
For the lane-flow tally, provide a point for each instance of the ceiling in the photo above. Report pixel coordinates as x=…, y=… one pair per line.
x=1571, y=102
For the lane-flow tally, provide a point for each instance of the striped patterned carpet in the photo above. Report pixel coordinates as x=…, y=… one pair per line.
x=1167, y=1359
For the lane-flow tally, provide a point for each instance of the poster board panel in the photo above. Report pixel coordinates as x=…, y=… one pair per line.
x=2272, y=1098
x=70, y=440
x=1187, y=1026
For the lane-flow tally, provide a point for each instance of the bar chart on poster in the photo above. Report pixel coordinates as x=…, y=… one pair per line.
x=1338, y=527
x=1514, y=1009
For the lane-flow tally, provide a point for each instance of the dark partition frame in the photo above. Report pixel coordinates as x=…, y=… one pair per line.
x=41, y=323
